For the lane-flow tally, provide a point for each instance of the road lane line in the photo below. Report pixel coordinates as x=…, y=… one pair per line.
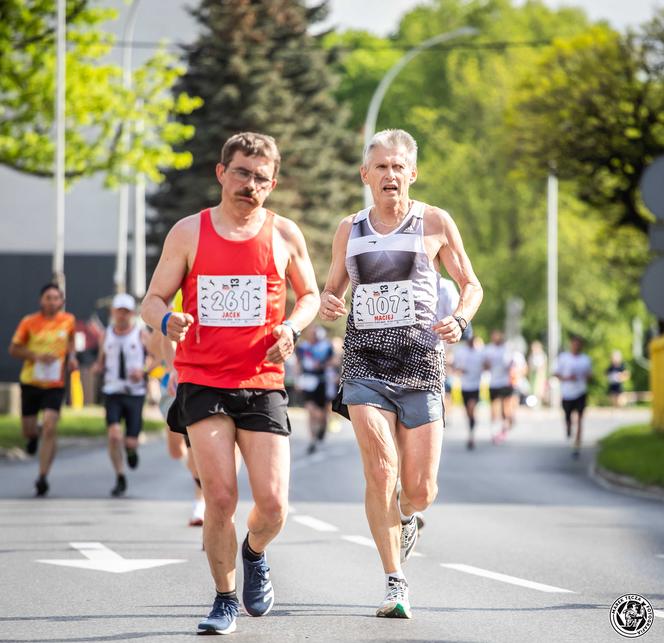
x=658, y=613
x=513, y=580
x=360, y=540
x=314, y=523
x=367, y=542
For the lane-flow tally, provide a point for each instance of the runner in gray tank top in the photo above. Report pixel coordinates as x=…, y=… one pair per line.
x=393, y=370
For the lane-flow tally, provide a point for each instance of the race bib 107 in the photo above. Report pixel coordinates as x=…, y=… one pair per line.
x=384, y=305
x=232, y=300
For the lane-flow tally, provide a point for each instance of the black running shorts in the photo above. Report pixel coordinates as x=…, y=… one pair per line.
x=469, y=396
x=500, y=393
x=129, y=408
x=264, y=410
x=317, y=396
x=578, y=404
x=34, y=399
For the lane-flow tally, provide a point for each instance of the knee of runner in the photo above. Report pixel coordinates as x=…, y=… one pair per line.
x=115, y=434
x=221, y=502
x=422, y=495
x=382, y=473
x=273, y=507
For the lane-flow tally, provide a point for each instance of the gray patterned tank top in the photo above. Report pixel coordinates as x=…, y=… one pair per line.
x=394, y=297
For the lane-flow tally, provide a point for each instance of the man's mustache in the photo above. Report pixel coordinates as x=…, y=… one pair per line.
x=249, y=193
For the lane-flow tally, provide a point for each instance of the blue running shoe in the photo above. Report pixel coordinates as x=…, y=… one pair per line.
x=257, y=592
x=222, y=617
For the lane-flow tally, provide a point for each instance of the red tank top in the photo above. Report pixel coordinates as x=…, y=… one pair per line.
x=236, y=297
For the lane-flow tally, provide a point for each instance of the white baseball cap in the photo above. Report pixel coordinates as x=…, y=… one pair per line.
x=124, y=300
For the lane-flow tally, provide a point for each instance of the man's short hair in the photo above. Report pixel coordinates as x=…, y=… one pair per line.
x=48, y=286
x=251, y=144
x=392, y=138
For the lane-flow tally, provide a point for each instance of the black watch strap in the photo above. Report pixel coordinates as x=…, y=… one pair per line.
x=296, y=332
x=463, y=324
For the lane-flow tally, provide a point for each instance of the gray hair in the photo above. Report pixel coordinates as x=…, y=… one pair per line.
x=392, y=138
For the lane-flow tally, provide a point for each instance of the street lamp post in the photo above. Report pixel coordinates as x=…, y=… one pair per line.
x=61, y=52
x=553, y=337
x=391, y=74
x=123, y=205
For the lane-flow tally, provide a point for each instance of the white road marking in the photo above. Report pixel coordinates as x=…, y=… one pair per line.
x=513, y=580
x=367, y=542
x=658, y=613
x=360, y=540
x=314, y=523
x=101, y=558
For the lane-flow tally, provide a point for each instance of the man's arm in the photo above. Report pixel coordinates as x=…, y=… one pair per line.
x=18, y=347
x=98, y=366
x=332, y=305
x=453, y=256
x=300, y=274
x=168, y=277
x=70, y=358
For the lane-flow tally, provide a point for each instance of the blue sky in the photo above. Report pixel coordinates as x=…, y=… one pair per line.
x=382, y=16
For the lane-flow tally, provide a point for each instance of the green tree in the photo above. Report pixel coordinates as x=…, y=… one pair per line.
x=258, y=68
x=593, y=107
x=98, y=108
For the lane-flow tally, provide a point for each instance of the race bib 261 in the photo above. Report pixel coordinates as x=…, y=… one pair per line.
x=232, y=300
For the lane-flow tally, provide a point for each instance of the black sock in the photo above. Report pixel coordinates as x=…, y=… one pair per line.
x=121, y=477
x=198, y=482
x=249, y=553
x=232, y=595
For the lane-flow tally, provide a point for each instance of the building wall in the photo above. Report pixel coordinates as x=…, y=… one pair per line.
x=89, y=280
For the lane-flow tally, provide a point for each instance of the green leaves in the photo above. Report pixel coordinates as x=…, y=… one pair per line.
x=99, y=110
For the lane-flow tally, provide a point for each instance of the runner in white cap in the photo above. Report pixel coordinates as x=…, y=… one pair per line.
x=122, y=360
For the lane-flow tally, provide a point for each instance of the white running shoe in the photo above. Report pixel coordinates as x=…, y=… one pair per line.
x=396, y=603
x=408, y=538
x=198, y=514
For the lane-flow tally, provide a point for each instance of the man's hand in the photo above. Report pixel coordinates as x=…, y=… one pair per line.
x=177, y=326
x=331, y=307
x=283, y=347
x=136, y=375
x=172, y=387
x=448, y=329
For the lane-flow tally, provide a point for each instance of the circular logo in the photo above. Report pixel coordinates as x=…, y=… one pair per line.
x=631, y=615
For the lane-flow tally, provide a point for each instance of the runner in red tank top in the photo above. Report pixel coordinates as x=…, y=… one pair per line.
x=232, y=262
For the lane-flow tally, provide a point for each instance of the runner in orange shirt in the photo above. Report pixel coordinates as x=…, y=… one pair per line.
x=45, y=343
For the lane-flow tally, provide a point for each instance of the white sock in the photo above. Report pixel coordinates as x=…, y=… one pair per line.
x=402, y=515
x=398, y=574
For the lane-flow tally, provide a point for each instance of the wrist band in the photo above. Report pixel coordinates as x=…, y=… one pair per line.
x=164, y=323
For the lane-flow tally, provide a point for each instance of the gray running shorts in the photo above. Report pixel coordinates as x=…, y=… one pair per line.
x=413, y=408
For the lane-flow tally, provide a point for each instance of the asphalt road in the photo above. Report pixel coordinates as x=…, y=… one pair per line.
x=521, y=545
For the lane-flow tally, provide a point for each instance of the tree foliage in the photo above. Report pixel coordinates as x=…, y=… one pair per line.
x=592, y=107
x=98, y=108
x=258, y=69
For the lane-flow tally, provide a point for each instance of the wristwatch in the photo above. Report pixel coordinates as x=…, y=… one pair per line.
x=463, y=324
x=296, y=332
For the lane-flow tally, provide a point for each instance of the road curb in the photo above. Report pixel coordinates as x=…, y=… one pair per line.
x=624, y=484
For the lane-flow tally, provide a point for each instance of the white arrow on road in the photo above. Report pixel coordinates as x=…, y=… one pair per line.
x=103, y=559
